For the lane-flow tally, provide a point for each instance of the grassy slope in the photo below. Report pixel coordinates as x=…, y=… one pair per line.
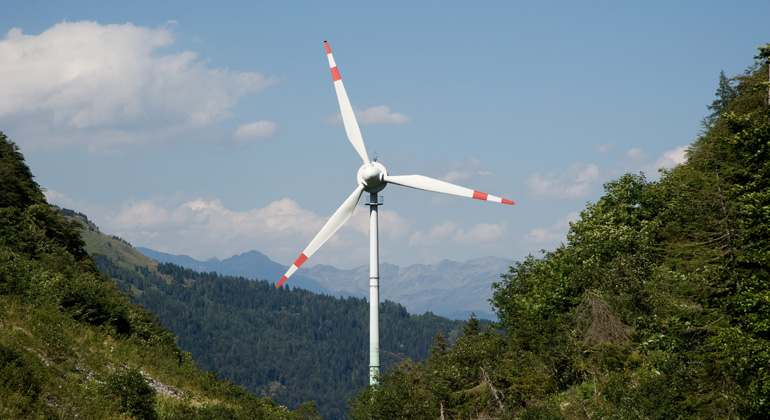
x=117, y=250
x=54, y=366
x=61, y=367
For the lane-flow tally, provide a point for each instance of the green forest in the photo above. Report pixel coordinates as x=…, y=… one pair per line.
x=72, y=346
x=290, y=344
x=656, y=307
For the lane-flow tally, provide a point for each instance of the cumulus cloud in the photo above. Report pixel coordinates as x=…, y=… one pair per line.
x=636, y=160
x=671, y=158
x=576, y=181
x=666, y=160
x=143, y=216
x=462, y=170
x=437, y=233
x=381, y=115
x=457, y=175
x=196, y=227
x=247, y=133
x=205, y=228
x=604, y=148
x=449, y=231
x=579, y=178
x=480, y=233
x=554, y=234
x=376, y=115
x=392, y=225
x=53, y=196
x=83, y=82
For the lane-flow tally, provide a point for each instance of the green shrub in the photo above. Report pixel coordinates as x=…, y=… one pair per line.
x=20, y=382
x=132, y=393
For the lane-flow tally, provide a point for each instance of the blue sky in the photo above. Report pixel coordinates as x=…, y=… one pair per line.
x=211, y=128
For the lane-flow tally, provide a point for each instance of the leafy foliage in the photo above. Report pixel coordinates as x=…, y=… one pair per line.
x=18, y=189
x=132, y=393
x=656, y=307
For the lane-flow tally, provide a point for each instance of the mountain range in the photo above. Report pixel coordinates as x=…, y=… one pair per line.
x=450, y=289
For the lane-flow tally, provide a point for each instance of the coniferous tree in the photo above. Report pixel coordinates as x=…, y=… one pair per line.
x=17, y=189
x=725, y=93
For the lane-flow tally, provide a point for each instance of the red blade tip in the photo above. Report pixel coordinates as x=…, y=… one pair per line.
x=300, y=260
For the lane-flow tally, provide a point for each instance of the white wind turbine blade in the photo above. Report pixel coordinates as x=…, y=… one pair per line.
x=348, y=117
x=431, y=184
x=338, y=219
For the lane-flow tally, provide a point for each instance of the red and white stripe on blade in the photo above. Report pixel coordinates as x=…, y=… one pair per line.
x=348, y=117
x=431, y=184
x=338, y=219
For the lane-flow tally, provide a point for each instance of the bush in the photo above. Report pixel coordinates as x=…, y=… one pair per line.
x=20, y=383
x=133, y=394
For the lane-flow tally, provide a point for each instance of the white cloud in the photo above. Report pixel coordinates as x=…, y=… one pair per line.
x=449, y=231
x=456, y=175
x=376, y=115
x=390, y=223
x=671, y=158
x=482, y=232
x=666, y=160
x=579, y=178
x=247, y=133
x=61, y=200
x=554, y=234
x=381, y=115
x=636, y=160
x=464, y=169
x=144, y=215
x=205, y=228
x=636, y=153
x=93, y=84
x=604, y=148
x=576, y=181
x=436, y=234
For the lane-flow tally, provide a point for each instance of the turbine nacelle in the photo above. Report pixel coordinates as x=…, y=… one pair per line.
x=372, y=177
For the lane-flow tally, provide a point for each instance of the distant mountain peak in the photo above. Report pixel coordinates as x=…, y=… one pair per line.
x=450, y=288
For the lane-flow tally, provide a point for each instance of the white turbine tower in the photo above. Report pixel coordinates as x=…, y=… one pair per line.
x=372, y=178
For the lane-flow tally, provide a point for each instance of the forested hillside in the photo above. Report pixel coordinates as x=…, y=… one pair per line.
x=450, y=289
x=72, y=345
x=657, y=307
x=287, y=343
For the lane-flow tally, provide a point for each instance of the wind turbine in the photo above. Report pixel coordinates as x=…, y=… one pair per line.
x=372, y=178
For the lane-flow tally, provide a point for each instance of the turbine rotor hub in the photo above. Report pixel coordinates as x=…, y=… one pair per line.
x=372, y=177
